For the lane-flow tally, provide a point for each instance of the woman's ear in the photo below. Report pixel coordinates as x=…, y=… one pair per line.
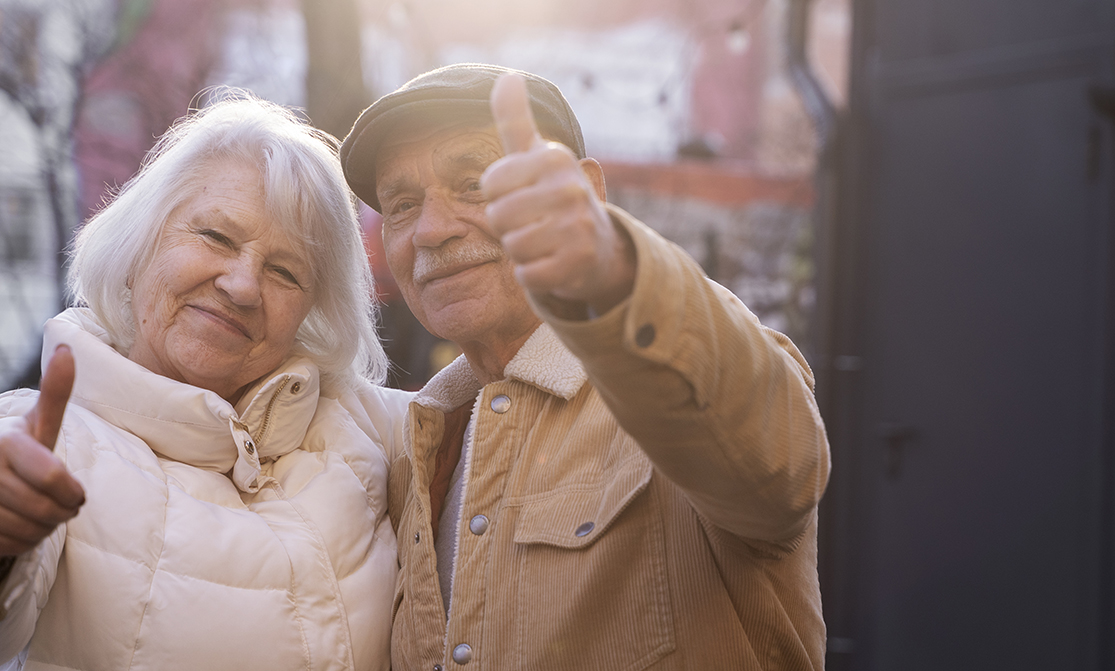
x=595, y=174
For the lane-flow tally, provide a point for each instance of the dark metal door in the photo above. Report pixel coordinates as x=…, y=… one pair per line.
x=969, y=353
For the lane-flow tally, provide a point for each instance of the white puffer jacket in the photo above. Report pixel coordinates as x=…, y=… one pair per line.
x=212, y=537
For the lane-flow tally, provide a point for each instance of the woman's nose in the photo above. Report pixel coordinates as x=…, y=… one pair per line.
x=240, y=281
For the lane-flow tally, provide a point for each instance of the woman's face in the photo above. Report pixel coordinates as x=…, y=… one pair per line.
x=226, y=291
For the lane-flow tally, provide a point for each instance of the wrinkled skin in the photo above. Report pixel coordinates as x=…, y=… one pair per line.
x=470, y=228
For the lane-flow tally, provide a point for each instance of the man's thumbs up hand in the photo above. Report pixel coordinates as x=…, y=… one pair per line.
x=546, y=206
x=37, y=493
x=514, y=119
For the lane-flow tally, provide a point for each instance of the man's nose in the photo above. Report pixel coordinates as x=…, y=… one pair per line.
x=438, y=222
x=240, y=281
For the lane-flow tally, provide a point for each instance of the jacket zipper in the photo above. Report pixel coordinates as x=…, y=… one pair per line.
x=258, y=438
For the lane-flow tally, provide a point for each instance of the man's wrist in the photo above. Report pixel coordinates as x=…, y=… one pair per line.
x=620, y=273
x=568, y=310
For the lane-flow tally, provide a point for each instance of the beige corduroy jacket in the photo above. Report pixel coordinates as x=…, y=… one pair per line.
x=645, y=500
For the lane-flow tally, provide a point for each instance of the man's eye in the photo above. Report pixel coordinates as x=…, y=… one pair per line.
x=397, y=207
x=472, y=186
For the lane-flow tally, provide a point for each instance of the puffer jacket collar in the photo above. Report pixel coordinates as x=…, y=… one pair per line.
x=543, y=362
x=182, y=422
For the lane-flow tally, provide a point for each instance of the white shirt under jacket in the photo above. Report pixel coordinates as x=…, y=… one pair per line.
x=212, y=537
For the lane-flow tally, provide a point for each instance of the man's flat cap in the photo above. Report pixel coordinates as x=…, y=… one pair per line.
x=452, y=93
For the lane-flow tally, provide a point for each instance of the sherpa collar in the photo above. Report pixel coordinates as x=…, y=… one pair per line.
x=542, y=361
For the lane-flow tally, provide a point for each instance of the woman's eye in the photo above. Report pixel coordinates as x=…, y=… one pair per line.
x=215, y=236
x=287, y=275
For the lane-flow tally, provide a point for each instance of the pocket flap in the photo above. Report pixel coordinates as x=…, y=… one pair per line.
x=575, y=517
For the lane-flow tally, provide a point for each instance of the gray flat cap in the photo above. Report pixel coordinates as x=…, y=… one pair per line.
x=454, y=92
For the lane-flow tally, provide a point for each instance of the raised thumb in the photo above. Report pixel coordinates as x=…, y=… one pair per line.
x=45, y=419
x=512, y=113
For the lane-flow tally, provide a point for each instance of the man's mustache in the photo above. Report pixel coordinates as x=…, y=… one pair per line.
x=428, y=263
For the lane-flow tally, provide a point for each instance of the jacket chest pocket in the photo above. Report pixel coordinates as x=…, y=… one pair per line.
x=592, y=584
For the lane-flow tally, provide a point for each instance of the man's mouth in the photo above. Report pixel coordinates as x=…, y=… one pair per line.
x=442, y=273
x=430, y=265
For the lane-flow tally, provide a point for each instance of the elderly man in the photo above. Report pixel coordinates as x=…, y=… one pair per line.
x=622, y=471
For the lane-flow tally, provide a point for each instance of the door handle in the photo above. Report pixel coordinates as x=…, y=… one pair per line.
x=1102, y=99
x=895, y=438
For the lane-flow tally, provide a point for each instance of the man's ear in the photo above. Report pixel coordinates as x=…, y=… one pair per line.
x=595, y=174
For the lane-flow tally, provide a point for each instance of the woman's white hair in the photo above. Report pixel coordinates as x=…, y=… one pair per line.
x=305, y=194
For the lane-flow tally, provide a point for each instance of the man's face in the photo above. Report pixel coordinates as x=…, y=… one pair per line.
x=449, y=265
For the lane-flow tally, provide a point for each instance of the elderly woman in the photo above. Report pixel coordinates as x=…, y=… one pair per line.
x=216, y=498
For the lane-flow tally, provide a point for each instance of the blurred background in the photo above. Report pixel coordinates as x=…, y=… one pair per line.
x=691, y=107
x=918, y=192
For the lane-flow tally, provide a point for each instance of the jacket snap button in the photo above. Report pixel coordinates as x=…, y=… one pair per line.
x=645, y=335
x=478, y=524
x=437, y=667
x=296, y=387
x=250, y=447
x=501, y=404
x=584, y=529
x=462, y=654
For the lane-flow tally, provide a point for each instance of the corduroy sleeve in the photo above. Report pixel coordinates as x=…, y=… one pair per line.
x=722, y=405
